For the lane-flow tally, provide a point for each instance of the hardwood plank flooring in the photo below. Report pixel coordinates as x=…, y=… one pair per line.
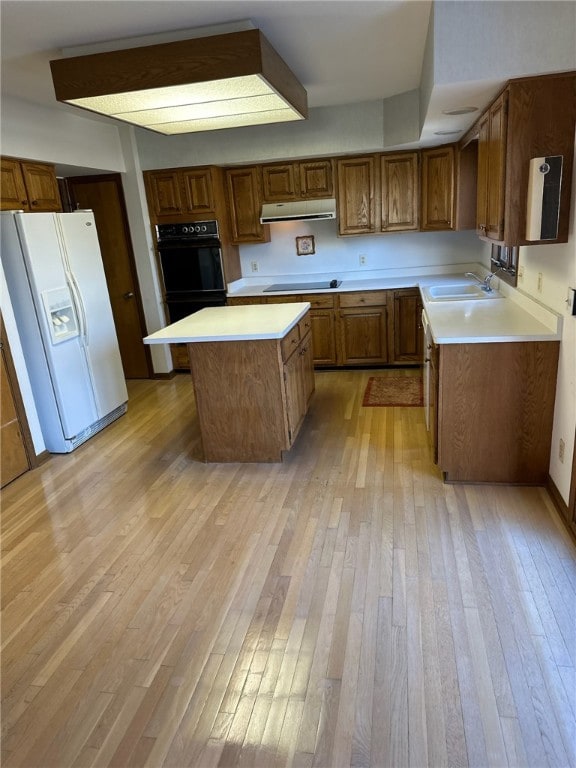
x=342, y=608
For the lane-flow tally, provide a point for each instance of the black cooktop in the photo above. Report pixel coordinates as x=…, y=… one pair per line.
x=303, y=286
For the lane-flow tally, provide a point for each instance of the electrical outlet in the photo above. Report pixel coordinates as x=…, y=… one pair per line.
x=254, y=266
x=362, y=258
x=540, y=281
x=561, y=447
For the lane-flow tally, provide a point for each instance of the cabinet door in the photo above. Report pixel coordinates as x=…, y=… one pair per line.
x=437, y=189
x=198, y=191
x=407, y=326
x=496, y=169
x=279, y=183
x=356, y=186
x=13, y=195
x=244, y=205
x=307, y=370
x=399, y=182
x=363, y=336
x=164, y=193
x=42, y=187
x=316, y=179
x=491, y=170
x=323, y=336
x=295, y=405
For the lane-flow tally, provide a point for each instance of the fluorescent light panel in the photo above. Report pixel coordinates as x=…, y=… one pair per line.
x=253, y=98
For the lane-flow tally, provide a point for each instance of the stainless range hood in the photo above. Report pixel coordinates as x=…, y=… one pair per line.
x=301, y=210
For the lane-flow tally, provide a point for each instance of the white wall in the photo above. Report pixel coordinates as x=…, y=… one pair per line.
x=56, y=136
x=339, y=255
x=557, y=264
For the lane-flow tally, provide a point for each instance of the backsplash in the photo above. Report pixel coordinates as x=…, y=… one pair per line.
x=341, y=255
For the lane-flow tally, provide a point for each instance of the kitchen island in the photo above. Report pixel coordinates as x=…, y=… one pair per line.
x=253, y=377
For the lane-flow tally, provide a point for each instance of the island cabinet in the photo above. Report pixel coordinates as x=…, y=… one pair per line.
x=400, y=191
x=299, y=180
x=252, y=395
x=244, y=196
x=362, y=325
x=28, y=186
x=322, y=320
x=493, y=408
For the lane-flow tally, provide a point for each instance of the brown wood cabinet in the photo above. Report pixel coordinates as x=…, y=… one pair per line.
x=252, y=396
x=406, y=326
x=355, y=328
x=532, y=117
x=28, y=186
x=399, y=191
x=244, y=195
x=322, y=319
x=193, y=192
x=491, y=169
x=299, y=180
x=495, y=408
x=362, y=326
x=356, y=184
x=437, y=184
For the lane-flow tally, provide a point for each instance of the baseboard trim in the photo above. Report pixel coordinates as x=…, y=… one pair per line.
x=561, y=507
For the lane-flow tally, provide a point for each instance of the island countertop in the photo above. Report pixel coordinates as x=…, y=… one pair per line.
x=241, y=323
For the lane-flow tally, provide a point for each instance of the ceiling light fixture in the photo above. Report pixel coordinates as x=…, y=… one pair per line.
x=459, y=111
x=202, y=84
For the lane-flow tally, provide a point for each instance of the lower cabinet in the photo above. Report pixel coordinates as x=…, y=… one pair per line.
x=359, y=328
x=362, y=325
x=299, y=382
x=406, y=328
x=252, y=396
x=493, y=409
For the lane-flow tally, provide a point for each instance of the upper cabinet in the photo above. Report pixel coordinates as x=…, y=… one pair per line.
x=356, y=195
x=491, y=169
x=28, y=186
x=178, y=192
x=300, y=180
x=438, y=199
x=532, y=117
x=399, y=191
x=244, y=196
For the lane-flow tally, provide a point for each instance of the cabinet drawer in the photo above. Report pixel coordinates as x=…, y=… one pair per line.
x=319, y=300
x=364, y=299
x=305, y=325
x=289, y=343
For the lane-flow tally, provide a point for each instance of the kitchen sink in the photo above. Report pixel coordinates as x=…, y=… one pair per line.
x=461, y=292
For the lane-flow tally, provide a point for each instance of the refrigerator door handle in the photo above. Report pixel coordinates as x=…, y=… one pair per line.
x=79, y=307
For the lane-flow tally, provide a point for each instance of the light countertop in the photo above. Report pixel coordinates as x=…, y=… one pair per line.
x=481, y=322
x=244, y=323
x=509, y=316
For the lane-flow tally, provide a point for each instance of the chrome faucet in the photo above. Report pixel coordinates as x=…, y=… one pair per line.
x=485, y=283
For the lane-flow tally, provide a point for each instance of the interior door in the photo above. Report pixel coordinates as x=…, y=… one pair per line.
x=104, y=196
x=17, y=455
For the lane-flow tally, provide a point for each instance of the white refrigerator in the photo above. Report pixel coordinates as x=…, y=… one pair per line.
x=59, y=295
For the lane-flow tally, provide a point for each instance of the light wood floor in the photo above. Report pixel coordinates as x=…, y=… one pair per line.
x=343, y=608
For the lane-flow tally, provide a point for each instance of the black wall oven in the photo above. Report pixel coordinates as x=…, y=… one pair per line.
x=191, y=263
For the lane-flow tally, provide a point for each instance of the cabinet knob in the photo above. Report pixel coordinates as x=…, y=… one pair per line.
x=34, y=202
x=129, y=295
x=24, y=202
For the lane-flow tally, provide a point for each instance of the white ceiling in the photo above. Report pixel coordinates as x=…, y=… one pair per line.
x=342, y=51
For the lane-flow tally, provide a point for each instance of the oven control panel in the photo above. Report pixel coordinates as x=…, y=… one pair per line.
x=190, y=231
